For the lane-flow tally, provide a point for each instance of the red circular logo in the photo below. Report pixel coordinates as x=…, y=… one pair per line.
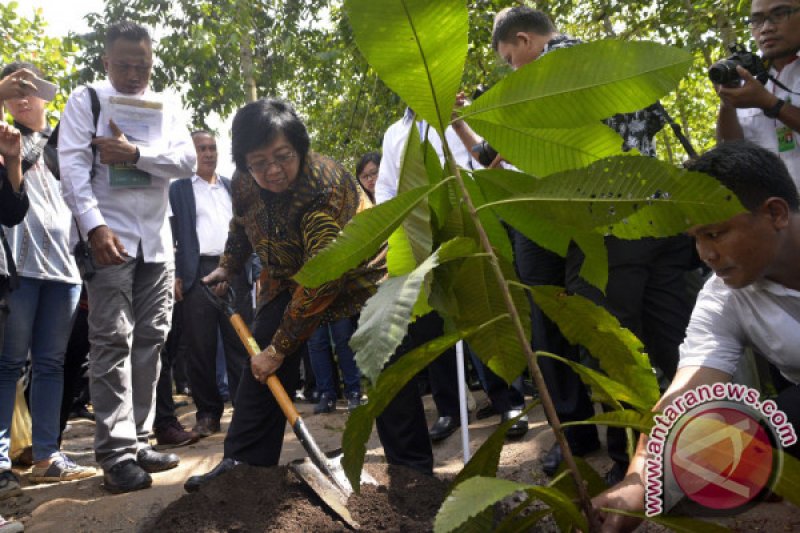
x=721, y=457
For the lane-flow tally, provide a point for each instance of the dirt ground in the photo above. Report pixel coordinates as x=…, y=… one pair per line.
x=83, y=506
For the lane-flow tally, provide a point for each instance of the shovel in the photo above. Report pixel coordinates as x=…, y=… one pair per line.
x=323, y=473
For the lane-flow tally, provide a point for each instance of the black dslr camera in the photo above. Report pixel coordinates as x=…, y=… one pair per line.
x=486, y=154
x=723, y=72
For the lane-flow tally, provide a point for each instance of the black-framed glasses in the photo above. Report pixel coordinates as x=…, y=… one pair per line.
x=261, y=167
x=369, y=175
x=776, y=16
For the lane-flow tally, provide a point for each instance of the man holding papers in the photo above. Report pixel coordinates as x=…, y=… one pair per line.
x=116, y=166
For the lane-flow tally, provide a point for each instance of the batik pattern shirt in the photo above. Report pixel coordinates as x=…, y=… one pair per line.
x=637, y=129
x=286, y=230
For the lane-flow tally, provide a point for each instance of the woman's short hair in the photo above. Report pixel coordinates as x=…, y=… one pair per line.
x=369, y=157
x=258, y=123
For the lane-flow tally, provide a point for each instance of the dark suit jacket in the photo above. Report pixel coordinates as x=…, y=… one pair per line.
x=184, y=229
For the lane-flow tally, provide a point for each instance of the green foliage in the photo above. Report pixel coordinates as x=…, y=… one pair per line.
x=474, y=495
x=390, y=382
x=548, y=95
x=362, y=237
x=485, y=460
x=625, y=196
x=618, y=350
x=386, y=316
x=427, y=48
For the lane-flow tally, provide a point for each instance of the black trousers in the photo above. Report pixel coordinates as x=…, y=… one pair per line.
x=443, y=377
x=648, y=293
x=201, y=324
x=255, y=435
x=402, y=427
x=165, y=405
x=76, y=365
x=537, y=266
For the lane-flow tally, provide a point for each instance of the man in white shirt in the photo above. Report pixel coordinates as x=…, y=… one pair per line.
x=116, y=187
x=201, y=211
x=768, y=114
x=752, y=300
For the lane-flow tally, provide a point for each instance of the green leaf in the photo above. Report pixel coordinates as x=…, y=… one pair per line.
x=359, y=239
x=594, y=268
x=399, y=258
x=512, y=524
x=385, y=318
x=603, y=388
x=389, y=383
x=629, y=197
x=414, y=174
x=572, y=87
x=541, y=152
x=485, y=460
x=564, y=482
x=788, y=484
x=470, y=498
x=497, y=233
x=679, y=524
x=470, y=297
x=626, y=418
x=417, y=47
x=616, y=348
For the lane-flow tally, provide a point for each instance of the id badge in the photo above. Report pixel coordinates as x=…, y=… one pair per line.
x=786, y=140
x=128, y=177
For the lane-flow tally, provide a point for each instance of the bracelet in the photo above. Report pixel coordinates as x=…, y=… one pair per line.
x=774, y=111
x=273, y=354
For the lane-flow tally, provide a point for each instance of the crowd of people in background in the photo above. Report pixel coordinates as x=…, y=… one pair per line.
x=117, y=228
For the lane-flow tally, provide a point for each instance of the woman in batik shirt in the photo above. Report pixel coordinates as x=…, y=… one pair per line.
x=288, y=204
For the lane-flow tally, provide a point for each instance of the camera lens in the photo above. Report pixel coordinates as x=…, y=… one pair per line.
x=723, y=72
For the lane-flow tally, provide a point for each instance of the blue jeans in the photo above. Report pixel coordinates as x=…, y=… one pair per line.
x=40, y=320
x=319, y=350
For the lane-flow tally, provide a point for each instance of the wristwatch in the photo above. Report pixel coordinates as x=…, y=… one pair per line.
x=774, y=111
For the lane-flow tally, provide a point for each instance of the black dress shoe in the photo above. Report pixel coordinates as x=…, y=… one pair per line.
x=153, y=461
x=553, y=458
x=194, y=483
x=443, y=428
x=519, y=428
x=126, y=476
x=486, y=411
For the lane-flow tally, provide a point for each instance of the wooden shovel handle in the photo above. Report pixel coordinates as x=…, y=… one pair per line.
x=274, y=384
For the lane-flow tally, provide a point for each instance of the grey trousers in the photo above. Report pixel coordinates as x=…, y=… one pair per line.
x=130, y=308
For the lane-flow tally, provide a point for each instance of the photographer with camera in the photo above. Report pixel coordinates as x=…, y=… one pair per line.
x=756, y=98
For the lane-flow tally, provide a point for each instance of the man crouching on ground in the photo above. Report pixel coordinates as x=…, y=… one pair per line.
x=753, y=298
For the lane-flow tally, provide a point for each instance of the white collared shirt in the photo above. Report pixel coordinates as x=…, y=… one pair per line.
x=214, y=212
x=136, y=215
x=761, y=130
x=764, y=315
x=394, y=144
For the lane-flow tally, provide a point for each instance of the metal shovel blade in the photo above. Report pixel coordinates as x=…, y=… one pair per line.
x=328, y=480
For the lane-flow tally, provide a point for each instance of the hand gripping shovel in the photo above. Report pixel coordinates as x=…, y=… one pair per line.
x=322, y=473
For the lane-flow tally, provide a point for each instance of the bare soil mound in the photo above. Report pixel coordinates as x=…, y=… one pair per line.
x=274, y=499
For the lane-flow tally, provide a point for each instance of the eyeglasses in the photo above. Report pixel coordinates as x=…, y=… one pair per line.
x=261, y=167
x=125, y=67
x=369, y=175
x=775, y=17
